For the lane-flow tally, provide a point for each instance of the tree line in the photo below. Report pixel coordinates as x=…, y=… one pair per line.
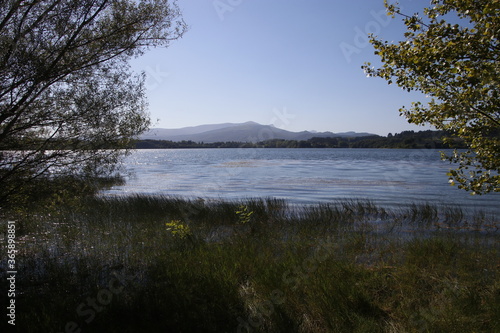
x=404, y=140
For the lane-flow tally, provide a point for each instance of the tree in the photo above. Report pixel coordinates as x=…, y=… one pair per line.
x=455, y=62
x=69, y=104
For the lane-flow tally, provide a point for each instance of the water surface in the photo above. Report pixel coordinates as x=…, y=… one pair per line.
x=389, y=177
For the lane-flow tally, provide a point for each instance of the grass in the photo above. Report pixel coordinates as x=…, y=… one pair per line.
x=153, y=263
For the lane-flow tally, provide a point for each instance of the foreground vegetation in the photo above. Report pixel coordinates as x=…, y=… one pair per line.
x=151, y=264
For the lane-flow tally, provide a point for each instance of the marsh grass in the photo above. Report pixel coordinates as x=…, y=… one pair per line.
x=256, y=265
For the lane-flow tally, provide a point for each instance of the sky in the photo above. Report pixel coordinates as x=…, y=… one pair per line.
x=294, y=64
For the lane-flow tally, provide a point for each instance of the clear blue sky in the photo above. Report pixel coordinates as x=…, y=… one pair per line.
x=295, y=64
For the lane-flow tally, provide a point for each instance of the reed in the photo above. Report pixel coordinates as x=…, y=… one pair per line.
x=117, y=264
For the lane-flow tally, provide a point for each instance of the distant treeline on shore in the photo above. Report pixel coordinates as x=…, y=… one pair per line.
x=404, y=140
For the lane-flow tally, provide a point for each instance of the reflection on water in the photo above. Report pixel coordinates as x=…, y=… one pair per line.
x=387, y=176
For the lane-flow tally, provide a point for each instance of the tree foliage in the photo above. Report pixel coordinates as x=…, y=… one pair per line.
x=452, y=56
x=69, y=103
x=404, y=140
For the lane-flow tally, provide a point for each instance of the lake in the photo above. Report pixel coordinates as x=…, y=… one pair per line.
x=389, y=177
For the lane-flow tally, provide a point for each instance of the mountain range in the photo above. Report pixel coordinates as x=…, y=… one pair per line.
x=237, y=132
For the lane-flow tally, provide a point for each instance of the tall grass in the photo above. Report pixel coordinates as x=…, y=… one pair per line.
x=112, y=264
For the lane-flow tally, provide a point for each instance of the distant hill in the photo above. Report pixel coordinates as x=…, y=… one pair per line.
x=405, y=140
x=243, y=132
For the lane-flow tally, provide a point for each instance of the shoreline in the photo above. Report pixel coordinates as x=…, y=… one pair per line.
x=253, y=265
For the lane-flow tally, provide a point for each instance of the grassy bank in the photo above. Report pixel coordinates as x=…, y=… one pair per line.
x=160, y=264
